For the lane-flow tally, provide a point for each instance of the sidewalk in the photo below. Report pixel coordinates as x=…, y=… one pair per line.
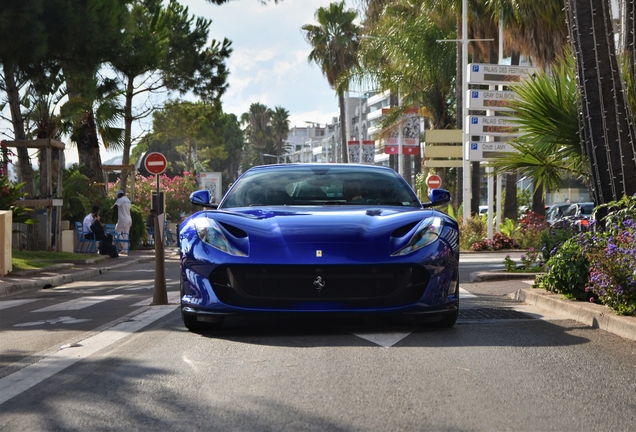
x=62, y=273
x=591, y=314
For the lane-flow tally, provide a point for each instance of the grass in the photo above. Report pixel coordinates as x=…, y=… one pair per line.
x=27, y=260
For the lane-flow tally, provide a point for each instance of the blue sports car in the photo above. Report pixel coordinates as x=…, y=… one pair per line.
x=319, y=238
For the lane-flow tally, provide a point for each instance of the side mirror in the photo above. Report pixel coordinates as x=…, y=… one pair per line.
x=202, y=198
x=437, y=197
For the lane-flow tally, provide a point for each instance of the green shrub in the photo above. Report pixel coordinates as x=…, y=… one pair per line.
x=473, y=231
x=567, y=271
x=138, y=228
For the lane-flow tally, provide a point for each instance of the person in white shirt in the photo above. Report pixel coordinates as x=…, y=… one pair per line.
x=124, y=221
x=88, y=221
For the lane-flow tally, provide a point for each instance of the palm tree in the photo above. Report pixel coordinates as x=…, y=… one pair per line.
x=606, y=120
x=257, y=128
x=400, y=53
x=334, y=44
x=280, y=129
x=92, y=112
x=549, y=148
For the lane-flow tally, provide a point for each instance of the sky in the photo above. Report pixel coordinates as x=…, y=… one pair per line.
x=269, y=62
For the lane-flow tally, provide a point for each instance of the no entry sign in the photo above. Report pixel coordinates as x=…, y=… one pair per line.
x=156, y=163
x=433, y=181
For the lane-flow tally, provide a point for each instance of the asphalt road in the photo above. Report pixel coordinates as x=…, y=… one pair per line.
x=91, y=356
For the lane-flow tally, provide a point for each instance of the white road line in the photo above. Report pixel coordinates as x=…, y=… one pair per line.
x=173, y=297
x=6, y=304
x=79, y=303
x=18, y=382
x=465, y=294
x=385, y=339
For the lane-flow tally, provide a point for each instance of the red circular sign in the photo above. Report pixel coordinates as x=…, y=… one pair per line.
x=156, y=163
x=433, y=181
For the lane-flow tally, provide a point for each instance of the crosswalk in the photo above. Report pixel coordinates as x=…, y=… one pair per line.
x=88, y=301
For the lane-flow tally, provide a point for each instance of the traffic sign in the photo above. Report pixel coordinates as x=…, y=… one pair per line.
x=433, y=181
x=490, y=100
x=156, y=163
x=490, y=125
x=498, y=74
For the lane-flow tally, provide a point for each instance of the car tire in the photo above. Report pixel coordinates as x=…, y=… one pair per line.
x=194, y=325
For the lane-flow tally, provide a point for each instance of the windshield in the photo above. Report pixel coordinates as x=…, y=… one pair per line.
x=338, y=185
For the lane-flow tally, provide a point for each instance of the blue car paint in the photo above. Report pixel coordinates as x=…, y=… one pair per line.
x=343, y=235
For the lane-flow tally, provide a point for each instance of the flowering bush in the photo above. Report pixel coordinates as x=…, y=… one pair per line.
x=472, y=231
x=568, y=269
x=530, y=231
x=499, y=241
x=176, y=190
x=599, y=265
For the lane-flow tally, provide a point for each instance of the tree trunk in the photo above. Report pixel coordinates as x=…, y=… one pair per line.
x=459, y=122
x=510, y=201
x=538, y=204
x=476, y=189
x=25, y=169
x=88, y=151
x=128, y=119
x=85, y=131
x=608, y=132
x=343, y=131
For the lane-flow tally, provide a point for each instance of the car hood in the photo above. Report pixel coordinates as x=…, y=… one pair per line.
x=307, y=234
x=333, y=225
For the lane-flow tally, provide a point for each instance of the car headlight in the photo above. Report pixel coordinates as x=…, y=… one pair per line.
x=426, y=233
x=211, y=233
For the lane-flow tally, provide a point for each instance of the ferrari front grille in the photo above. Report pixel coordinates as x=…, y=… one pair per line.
x=354, y=286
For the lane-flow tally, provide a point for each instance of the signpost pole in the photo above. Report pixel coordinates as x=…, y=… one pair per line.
x=160, y=296
x=156, y=164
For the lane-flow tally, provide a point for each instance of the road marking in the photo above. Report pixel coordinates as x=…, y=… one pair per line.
x=18, y=382
x=79, y=303
x=465, y=294
x=385, y=339
x=6, y=304
x=60, y=320
x=173, y=297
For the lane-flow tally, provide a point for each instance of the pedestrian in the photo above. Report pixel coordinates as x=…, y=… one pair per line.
x=124, y=221
x=93, y=229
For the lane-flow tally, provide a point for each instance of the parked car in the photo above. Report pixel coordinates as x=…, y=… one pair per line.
x=554, y=213
x=579, y=215
x=319, y=239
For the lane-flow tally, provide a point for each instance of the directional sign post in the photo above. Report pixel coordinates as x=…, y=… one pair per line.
x=156, y=164
x=490, y=100
x=498, y=74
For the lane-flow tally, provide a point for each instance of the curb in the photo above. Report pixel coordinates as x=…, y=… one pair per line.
x=485, y=276
x=591, y=314
x=56, y=280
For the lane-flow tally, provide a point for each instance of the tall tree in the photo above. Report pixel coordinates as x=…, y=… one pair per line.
x=24, y=43
x=189, y=134
x=334, y=44
x=280, y=129
x=167, y=48
x=258, y=128
x=606, y=120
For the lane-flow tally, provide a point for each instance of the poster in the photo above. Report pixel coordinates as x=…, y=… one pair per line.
x=212, y=182
x=354, y=151
x=410, y=125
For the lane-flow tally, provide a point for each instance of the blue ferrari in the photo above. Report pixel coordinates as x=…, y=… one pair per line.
x=319, y=239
